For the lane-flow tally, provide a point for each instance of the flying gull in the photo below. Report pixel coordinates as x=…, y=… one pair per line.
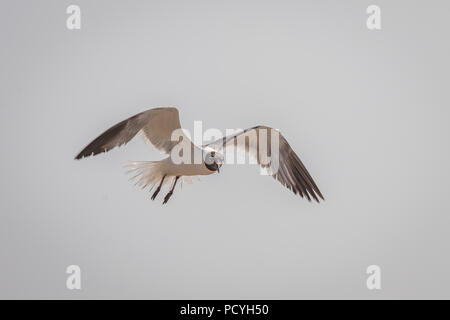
x=157, y=126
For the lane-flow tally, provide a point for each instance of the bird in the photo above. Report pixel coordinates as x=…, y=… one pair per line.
x=157, y=126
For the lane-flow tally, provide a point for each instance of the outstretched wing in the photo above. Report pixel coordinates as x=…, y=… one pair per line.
x=155, y=124
x=290, y=171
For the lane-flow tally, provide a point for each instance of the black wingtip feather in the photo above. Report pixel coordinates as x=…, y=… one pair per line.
x=106, y=141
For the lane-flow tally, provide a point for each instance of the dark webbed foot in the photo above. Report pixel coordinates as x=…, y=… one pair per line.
x=156, y=193
x=167, y=197
x=159, y=188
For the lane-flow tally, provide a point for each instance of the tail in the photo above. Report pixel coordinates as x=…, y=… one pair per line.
x=146, y=173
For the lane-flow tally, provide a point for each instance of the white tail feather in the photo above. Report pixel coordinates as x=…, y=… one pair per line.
x=150, y=174
x=147, y=173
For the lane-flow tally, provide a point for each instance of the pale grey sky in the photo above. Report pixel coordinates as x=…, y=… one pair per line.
x=367, y=112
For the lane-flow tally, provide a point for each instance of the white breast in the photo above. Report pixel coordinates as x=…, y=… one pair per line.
x=183, y=169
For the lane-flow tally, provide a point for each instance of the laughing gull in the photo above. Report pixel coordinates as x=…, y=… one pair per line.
x=157, y=126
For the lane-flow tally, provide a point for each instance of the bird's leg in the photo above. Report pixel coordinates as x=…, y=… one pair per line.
x=167, y=197
x=159, y=188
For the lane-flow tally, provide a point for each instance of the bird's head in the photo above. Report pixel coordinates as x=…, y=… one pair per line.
x=213, y=160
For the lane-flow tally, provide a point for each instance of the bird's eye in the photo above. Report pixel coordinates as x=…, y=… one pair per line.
x=213, y=154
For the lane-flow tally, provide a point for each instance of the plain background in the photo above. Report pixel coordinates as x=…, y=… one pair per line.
x=367, y=112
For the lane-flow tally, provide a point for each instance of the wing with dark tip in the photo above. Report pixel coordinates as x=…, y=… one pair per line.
x=156, y=125
x=290, y=171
